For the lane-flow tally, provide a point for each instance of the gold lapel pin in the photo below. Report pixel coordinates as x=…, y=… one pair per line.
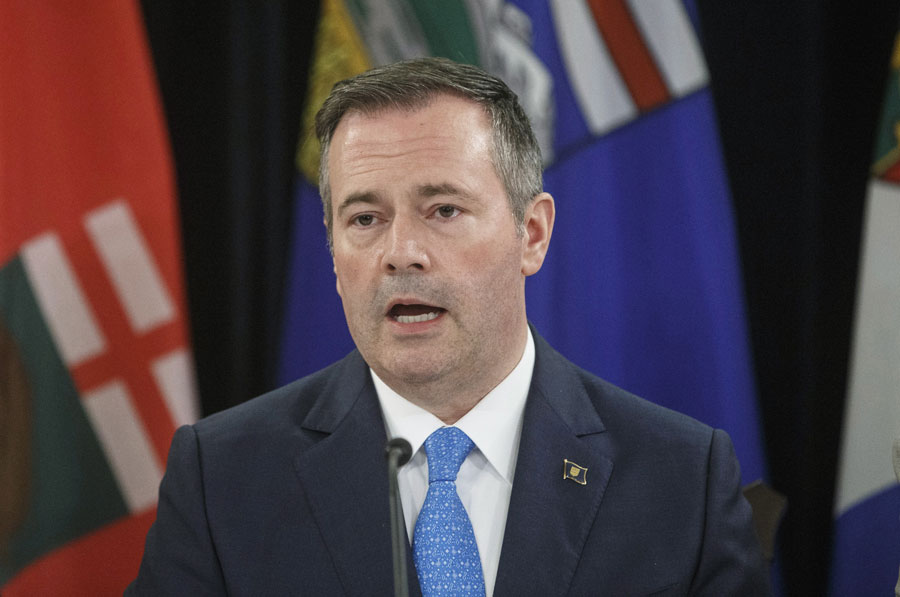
x=574, y=472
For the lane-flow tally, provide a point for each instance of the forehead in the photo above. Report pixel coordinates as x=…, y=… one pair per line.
x=447, y=131
x=443, y=117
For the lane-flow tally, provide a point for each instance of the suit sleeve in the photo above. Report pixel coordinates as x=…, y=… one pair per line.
x=179, y=555
x=731, y=561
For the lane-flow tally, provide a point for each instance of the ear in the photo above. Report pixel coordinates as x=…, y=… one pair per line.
x=539, y=217
x=334, y=265
x=337, y=282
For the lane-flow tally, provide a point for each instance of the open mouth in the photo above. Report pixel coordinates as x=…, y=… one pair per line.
x=416, y=313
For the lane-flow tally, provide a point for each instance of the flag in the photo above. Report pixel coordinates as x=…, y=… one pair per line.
x=95, y=367
x=866, y=550
x=642, y=282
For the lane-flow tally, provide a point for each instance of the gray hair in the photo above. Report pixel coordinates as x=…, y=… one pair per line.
x=412, y=84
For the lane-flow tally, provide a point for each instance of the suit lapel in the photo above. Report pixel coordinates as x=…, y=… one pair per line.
x=344, y=476
x=550, y=517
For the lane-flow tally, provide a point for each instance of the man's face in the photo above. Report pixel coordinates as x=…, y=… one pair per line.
x=429, y=264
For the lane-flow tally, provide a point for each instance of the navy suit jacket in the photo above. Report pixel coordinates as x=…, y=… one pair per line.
x=287, y=495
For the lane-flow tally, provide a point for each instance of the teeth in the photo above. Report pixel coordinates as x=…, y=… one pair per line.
x=416, y=318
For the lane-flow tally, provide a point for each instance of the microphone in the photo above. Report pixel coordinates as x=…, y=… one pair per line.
x=398, y=452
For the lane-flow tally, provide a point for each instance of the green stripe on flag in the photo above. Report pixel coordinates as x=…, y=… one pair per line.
x=70, y=487
x=447, y=29
x=887, y=150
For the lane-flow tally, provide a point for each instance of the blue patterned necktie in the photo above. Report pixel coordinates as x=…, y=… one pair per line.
x=444, y=546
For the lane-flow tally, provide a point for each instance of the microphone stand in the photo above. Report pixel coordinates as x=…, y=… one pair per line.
x=398, y=452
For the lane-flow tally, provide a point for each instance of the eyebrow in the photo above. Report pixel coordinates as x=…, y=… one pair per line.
x=437, y=190
x=354, y=198
x=426, y=190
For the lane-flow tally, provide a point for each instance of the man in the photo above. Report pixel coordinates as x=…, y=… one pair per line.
x=431, y=186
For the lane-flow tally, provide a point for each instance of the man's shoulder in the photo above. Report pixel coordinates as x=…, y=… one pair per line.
x=623, y=413
x=288, y=407
x=624, y=410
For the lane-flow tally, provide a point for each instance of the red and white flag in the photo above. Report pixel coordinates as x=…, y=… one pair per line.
x=95, y=365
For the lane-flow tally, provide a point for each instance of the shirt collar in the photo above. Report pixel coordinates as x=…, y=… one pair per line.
x=494, y=424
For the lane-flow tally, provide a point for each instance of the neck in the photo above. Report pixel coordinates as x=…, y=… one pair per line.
x=450, y=397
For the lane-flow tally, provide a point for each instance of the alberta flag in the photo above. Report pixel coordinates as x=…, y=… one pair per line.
x=866, y=555
x=642, y=284
x=95, y=367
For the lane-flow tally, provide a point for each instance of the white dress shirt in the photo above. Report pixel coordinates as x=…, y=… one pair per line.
x=485, y=478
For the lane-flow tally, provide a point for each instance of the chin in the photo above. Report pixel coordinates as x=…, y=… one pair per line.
x=417, y=369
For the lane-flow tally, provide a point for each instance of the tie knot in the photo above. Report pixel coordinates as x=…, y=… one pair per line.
x=446, y=448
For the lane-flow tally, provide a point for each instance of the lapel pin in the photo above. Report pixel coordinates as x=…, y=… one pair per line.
x=574, y=472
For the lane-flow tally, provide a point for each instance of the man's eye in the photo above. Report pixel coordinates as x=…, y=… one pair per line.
x=447, y=211
x=364, y=220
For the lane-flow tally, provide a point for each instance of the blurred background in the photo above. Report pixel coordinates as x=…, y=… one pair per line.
x=746, y=178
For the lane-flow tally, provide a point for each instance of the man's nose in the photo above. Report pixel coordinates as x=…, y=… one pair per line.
x=405, y=246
